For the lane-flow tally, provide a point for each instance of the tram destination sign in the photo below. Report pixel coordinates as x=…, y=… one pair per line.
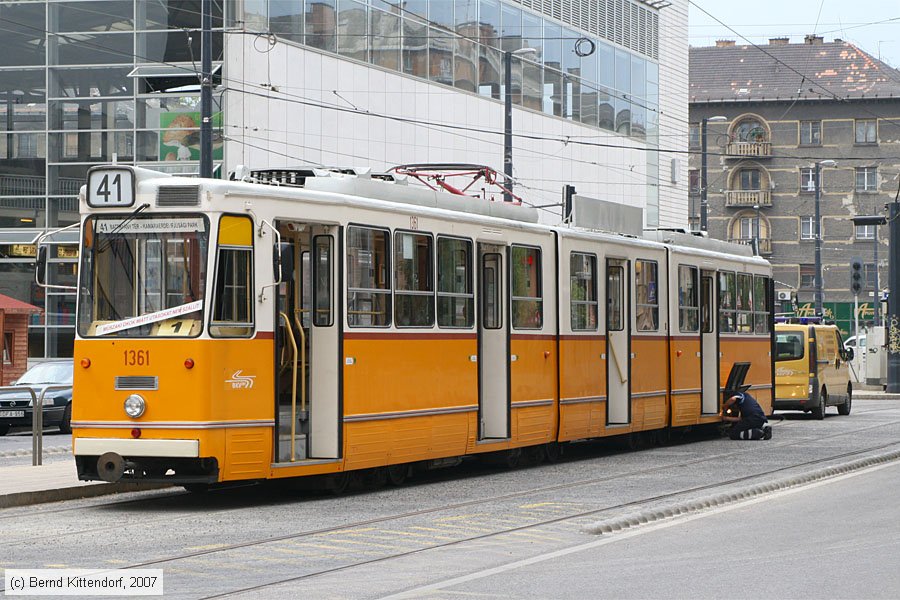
x=173, y=225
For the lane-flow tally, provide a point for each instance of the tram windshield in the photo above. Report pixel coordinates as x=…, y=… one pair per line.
x=142, y=275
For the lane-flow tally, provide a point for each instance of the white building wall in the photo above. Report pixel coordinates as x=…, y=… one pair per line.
x=673, y=129
x=282, y=110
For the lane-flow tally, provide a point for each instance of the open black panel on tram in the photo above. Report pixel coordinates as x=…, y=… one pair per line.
x=735, y=383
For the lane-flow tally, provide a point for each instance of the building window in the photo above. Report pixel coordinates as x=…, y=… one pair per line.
x=807, y=228
x=694, y=135
x=808, y=180
x=810, y=133
x=750, y=179
x=748, y=228
x=866, y=179
x=750, y=130
x=694, y=181
x=865, y=232
x=869, y=273
x=807, y=277
x=7, y=347
x=866, y=130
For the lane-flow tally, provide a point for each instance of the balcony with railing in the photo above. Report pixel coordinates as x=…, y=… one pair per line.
x=741, y=149
x=747, y=198
x=765, y=244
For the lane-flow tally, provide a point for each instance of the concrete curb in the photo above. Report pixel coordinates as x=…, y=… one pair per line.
x=620, y=523
x=876, y=396
x=88, y=490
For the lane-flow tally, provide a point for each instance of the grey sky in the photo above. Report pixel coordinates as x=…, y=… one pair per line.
x=873, y=25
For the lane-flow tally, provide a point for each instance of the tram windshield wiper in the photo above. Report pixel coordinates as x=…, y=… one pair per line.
x=115, y=230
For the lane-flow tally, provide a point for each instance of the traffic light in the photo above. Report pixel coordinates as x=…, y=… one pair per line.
x=856, y=276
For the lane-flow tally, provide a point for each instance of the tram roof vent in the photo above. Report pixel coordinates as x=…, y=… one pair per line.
x=178, y=195
x=298, y=176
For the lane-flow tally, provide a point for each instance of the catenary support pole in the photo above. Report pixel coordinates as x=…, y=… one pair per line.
x=507, y=125
x=892, y=331
x=206, y=146
x=704, y=199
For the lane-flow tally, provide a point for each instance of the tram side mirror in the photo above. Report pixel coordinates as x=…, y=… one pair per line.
x=848, y=354
x=284, y=262
x=41, y=266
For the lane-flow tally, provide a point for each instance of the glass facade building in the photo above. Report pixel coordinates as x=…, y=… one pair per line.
x=85, y=82
x=556, y=69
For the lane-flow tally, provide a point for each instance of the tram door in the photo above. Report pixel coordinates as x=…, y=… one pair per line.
x=709, y=344
x=307, y=343
x=618, y=347
x=493, y=344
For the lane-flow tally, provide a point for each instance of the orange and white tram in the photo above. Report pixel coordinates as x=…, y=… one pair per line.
x=340, y=321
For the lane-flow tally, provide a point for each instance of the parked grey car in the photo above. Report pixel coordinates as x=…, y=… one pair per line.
x=16, y=407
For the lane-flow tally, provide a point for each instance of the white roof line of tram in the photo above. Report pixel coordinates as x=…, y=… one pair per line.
x=243, y=187
x=474, y=218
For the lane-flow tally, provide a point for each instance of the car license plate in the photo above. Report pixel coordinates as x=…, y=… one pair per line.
x=12, y=413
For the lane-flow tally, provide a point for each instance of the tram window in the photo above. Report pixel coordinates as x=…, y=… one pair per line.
x=707, y=304
x=583, y=290
x=744, y=306
x=305, y=287
x=323, y=308
x=688, y=300
x=368, y=280
x=760, y=304
x=726, y=302
x=647, y=298
x=527, y=303
x=615, y=296
x=491, y=292
x=414, y=280
x=455, y=299
x=137, y=267
x=232, y=306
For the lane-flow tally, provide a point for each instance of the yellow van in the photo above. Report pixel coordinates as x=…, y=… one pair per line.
x=812, y=367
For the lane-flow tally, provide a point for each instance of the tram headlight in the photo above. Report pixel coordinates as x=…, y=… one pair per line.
x=135, y=406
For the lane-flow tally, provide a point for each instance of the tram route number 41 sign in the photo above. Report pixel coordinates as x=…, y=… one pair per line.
x=110, y=186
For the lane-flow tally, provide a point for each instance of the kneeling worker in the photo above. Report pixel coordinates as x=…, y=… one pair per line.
x=751, y=424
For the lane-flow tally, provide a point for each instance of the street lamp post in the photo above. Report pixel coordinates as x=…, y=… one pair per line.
x=704, y=202
x=818, y=217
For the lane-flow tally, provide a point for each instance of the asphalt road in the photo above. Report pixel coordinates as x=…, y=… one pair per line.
x=261, y=542
x=834, y=539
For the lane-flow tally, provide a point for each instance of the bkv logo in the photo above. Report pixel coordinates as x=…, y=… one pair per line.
x=241, y=382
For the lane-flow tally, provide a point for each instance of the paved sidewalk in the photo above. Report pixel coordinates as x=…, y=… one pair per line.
x=21, y=485
x=873, y=394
